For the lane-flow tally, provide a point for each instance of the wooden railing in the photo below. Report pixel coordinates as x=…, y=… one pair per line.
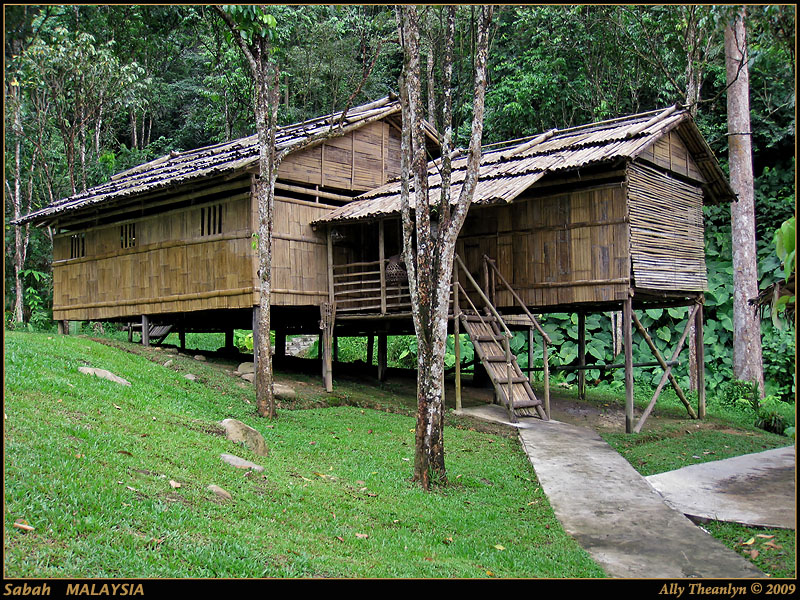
x=362, y=288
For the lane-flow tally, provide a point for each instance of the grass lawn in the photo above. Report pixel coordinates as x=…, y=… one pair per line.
x=114, y=481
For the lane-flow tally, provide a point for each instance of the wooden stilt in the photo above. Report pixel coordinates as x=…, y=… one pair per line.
x=627, y=333
x=701, y=361
x=326, y=345
x=336, y=348
x=280, y=344
x=546, y=379
x=457, y=336
x=382, y=356
x=145, y=330
x=370, y=349
x=61, y=329
x=582, y=355
x=256, y=311
x=229, y=339
x=182, y=337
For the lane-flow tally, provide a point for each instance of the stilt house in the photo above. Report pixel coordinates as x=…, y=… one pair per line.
x=602, y=217
x=170, y=243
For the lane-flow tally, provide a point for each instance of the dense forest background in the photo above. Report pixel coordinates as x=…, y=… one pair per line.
x=93, y=90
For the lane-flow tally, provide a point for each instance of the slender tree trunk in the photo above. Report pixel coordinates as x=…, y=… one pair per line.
x=747, y=359
x=429, y=240
x=266, y=122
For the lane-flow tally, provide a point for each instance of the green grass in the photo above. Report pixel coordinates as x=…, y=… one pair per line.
x=88, y=464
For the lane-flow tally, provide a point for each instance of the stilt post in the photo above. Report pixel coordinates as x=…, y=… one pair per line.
x=382, y=356
x=582, y=355
x=627, y=333
x=701, y=361
x=145, y=330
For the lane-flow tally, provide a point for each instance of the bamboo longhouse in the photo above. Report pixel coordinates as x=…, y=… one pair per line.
x=168, y=244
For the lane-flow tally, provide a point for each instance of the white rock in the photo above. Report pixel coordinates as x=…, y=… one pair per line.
x=103, y=374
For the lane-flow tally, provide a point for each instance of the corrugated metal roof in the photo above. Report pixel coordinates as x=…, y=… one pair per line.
x=220, y=159
x=507, y=172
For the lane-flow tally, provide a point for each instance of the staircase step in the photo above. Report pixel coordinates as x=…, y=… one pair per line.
x=527, y=403
x=504, y=380
x=488, y=338
x=495, y=358
x=478, y=318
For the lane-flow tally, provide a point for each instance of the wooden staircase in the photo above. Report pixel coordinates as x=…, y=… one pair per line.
x=157, y=333
x=491, y=346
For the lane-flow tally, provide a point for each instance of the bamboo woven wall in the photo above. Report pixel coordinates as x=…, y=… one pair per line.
x=667, y=248
x=558, y=249
x=299, y=255
x=359, y=161
x=170, y=267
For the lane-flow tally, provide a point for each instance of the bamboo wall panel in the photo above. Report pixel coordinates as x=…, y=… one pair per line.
x=667, y=246
x=558, y=249
x=358, y=161
x=671, y=153
x=299, y=255
x=171, y=267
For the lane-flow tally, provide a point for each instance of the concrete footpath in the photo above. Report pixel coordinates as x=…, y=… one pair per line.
x=615, y=513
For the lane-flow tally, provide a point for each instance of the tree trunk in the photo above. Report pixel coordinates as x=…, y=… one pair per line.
x=747, y=360
x=429, y=240
x=266, y=122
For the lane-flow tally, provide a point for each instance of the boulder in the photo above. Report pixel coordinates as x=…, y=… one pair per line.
x=238, y=432
x=199, y=357
x=240, y=463
x=190, y=377
x=245, y=367
x=103, y=374
x=284, y=392
x=249, y=377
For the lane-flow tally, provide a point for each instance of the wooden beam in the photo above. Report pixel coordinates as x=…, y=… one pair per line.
x=667, y=369
x=701, y=362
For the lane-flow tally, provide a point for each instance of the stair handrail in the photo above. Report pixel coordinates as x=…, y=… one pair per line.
x=506, y=337
x=483, y=296
x=546, y=341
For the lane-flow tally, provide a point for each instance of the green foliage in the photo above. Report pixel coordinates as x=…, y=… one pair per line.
x=780, y=373
x=785, y=238
x=243, y=340
x=770, y=414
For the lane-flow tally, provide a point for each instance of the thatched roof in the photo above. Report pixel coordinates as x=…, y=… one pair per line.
x=176, y=169
x=508, y=172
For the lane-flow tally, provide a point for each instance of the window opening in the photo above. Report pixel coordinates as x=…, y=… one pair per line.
x=77, y=245
x=127, y=235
